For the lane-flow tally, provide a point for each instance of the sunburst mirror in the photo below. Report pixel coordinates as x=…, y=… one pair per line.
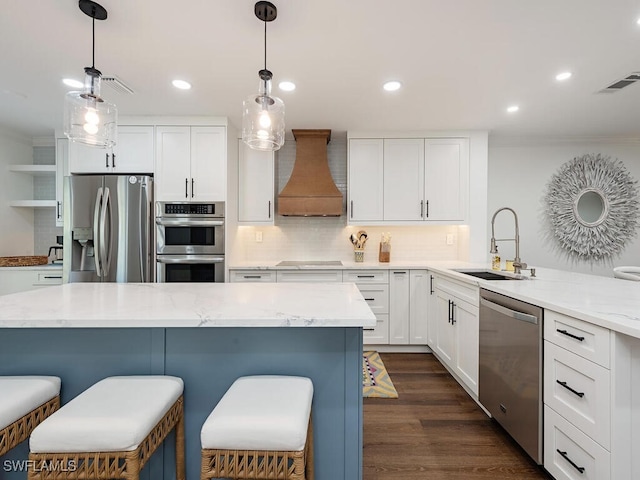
x=591, y=208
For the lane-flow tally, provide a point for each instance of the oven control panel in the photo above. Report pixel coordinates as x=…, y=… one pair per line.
x=164, y=209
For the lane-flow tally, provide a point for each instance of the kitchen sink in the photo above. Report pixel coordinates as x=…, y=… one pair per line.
x=491, y=275
x=310, y=263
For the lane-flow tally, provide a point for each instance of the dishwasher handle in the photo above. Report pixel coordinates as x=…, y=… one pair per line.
x=523, y=317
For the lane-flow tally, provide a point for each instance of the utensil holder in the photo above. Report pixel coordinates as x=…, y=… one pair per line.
x=384, y=253
x=358, y=255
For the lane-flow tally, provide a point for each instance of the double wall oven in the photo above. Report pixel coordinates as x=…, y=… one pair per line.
x=189, y=242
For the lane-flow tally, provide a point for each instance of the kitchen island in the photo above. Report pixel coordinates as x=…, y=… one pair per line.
x=207, y=334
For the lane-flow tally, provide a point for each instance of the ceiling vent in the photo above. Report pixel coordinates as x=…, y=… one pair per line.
x=622, y=83
x=116, y=84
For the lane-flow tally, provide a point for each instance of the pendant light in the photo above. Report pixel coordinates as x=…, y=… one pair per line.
x=88, y=118
x=263, y=114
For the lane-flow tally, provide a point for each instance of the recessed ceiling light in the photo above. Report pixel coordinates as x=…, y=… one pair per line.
x=72, y=82
x=392, y=86
x=181, y=84
x=513, y=108
x=287, y=86
x=563, y=76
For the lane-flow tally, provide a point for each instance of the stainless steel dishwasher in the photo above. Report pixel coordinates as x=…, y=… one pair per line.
x=510, y=377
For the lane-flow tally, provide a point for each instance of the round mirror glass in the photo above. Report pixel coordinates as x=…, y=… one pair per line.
x=590, y=207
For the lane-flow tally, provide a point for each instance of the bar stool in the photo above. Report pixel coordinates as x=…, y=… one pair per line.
x=110, y=430
x=25, y=401
x=260, y=429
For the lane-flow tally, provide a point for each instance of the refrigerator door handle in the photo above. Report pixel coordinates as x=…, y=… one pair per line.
x=105, y=235
x=144, y=232
x=96, y=232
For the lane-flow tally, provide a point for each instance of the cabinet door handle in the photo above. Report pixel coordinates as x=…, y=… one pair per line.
x=575, y=392
x=58, y=205
x=186, y=188
x=193, y=187
x=421, y=208
x=453, y=313
x=106, y=160
x=564, y=332
x=351, y=208
x=113, y=160
x=427, y=210
x=400, y=273
x=53, y=277
x=566, y=457
x=449, y=319
x=269, y=208
x=431, y=285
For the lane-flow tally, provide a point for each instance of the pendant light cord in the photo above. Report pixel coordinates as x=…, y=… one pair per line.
x=93, y=43
x=265, y=44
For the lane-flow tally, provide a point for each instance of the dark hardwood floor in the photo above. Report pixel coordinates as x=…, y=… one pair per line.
x=435, y=431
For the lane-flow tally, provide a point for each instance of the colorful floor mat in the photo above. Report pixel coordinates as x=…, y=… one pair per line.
x=375, y=378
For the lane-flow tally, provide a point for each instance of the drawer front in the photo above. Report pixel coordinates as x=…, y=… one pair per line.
x=464, y=291
x=376, y=296
x=309, y=276
x=366, y=276
x=580, y=391
x=378, y=335
x=49, y=278
x=583, y=338
x=252, y=276
x=578, y=451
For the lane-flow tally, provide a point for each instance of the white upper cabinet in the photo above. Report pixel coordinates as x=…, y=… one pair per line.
x=191, y=163
x=408, y=181
x=404, y=179
x=133, y=153
x=366, y=174
x=255, y=186
x=446, y=179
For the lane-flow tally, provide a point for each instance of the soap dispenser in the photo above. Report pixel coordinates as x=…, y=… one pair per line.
x=495, y=260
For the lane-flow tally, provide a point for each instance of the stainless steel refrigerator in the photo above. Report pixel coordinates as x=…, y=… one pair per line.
x=108, y=229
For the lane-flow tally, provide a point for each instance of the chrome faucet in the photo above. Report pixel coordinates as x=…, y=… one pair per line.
x=518, y=265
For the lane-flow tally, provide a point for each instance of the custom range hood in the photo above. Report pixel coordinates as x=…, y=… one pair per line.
x=311, y=191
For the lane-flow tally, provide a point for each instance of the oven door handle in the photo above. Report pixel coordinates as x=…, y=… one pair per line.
x=189, y=223
x=195, y=259
x=524, y=317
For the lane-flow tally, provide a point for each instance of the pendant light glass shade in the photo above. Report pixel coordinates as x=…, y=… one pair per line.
x=263, y=118
x=88, y=119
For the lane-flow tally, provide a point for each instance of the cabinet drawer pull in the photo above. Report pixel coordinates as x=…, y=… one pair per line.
x=252, y=276
x=366, y=276
x=400, y=273
x=53, y=277
x=564, y=384
x=564, y=455
x=368, y=329
x=564, y=332
x=369, y=299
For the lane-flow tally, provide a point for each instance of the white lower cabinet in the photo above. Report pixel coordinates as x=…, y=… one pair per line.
x=374, y=287
x=418, y=306
x=569, y=454
x=13, y=280
x=399, y=293
x=236, y=276
x=457, y=329
x=578, y=433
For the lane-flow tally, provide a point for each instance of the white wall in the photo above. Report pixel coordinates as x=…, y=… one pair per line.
x=518, y=174
x=16, y=234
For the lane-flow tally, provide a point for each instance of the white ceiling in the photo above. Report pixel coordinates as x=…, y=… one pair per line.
x=462, y=62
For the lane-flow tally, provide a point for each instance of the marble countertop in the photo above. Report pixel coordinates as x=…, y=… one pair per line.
x=606, y=301
x=100, y=305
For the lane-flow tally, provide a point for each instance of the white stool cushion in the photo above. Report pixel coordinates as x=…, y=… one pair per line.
x=115, y=414
x=262, y=412
x=20, y=395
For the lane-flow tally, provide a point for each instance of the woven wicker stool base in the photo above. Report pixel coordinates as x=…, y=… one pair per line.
x=19, y=431
x=259, y=464
x=113, y=465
